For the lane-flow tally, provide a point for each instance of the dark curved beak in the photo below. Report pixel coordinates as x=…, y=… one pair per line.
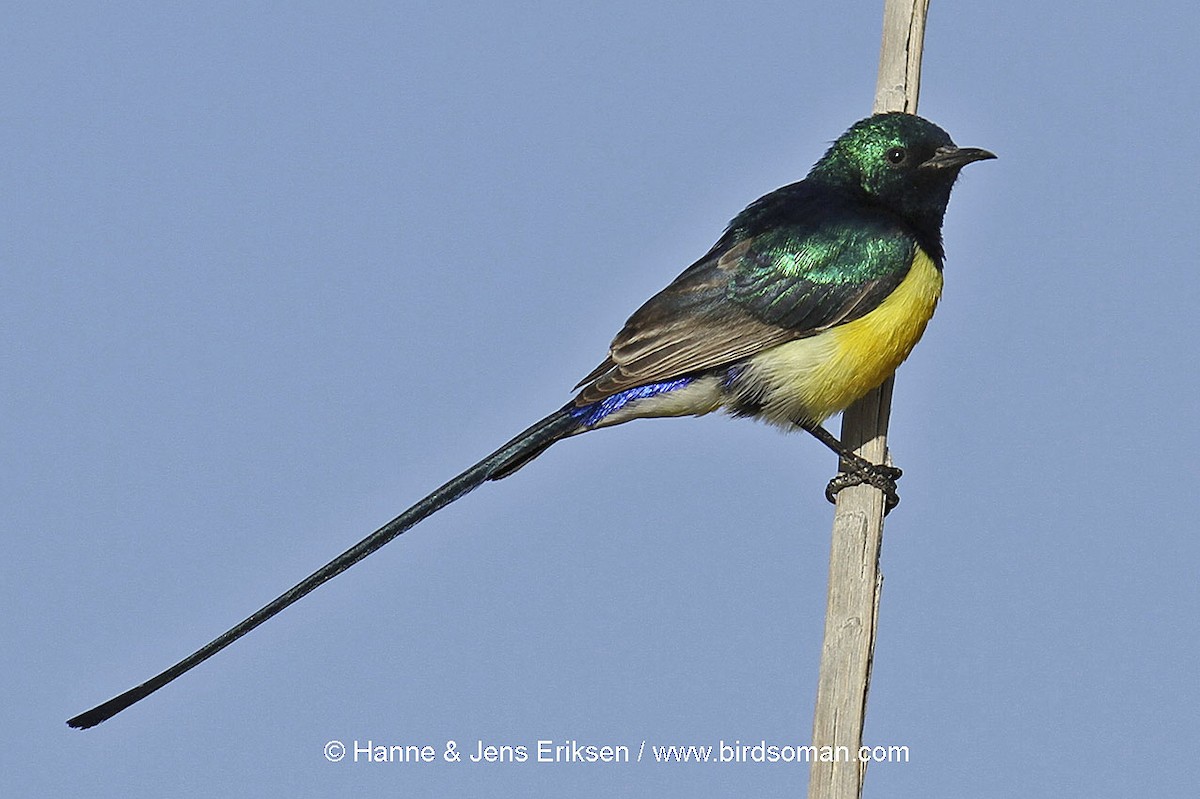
x=952, y=157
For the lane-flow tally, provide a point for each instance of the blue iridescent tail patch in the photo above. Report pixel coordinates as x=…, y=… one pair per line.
x=591, y=415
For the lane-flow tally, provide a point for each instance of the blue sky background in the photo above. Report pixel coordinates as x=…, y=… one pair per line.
x=273, y=271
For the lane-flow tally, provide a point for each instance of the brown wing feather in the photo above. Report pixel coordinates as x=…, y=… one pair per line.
x=678, y=331
x=796, y=262
x=681, y=330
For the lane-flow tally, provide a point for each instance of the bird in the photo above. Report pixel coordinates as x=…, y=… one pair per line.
x=812, y=296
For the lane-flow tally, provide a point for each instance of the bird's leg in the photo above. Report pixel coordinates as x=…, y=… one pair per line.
x=857, y=470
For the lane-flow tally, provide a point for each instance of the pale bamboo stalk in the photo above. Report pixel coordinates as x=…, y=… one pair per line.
x=855, y=581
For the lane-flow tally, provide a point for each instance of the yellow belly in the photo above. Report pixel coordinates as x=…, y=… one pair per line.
x=813, y=378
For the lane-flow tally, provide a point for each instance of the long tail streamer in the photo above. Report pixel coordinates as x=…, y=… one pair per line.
x=500, y=463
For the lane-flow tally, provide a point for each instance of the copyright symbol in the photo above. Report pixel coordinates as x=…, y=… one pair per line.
x=335, y=751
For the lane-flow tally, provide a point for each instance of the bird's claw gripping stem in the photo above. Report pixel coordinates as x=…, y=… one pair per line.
x=860, y=471
x=857, y=470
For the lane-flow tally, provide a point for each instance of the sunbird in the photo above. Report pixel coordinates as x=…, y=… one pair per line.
x=813, y=296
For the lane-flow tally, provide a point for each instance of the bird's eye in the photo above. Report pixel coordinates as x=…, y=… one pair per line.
x=896, y=155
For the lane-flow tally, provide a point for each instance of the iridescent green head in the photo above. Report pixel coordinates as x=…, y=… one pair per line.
x=900, y=161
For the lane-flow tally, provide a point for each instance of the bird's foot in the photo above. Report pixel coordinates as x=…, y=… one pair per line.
x=856, y=470
x=863, y=472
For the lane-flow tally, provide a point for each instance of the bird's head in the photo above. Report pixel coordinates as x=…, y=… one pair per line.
x=900, y=161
